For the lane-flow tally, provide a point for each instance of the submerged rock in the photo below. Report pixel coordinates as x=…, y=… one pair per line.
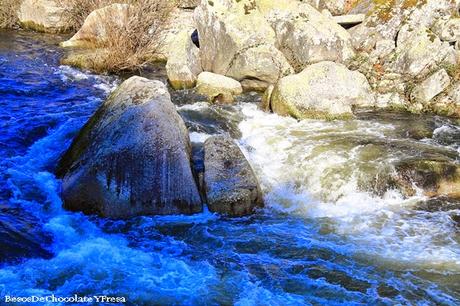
x=230, y=183
x=132, y=157
x=42, y=16
x=434, y=177
x=323, y=90
x=218, y=88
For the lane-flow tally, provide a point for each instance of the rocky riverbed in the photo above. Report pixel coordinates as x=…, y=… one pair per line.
x=285, y=153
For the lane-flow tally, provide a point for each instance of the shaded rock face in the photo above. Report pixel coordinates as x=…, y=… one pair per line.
x=132, y=157
x=323, y=90
x=188, y=4
x=230, y=183
x=42, y=16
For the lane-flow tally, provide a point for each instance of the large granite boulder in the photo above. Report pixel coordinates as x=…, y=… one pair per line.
x=304, y=35
x=325, y=90
x=237, y=41
x=42, y=16
x=132, y=157
x=230, y=183
x=183, y=65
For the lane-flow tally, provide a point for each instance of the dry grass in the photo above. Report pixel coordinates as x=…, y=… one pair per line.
x=130, y=45
x=76, y=11
x=8, y=13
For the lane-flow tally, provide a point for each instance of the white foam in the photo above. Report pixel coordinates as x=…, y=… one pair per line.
x=197, y=137
x=310, y=169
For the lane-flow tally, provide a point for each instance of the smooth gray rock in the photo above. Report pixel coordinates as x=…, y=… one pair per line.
x=230, y=183
x=132, y=157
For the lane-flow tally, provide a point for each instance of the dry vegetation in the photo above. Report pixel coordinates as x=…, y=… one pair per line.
x=128, y=46
x=8, y=15
x=76, y=11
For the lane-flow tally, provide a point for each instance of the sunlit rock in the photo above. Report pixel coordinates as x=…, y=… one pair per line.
x=304, y=35
x=323, y=90
x=237, y=41
x=230, y=183
x=448, y=30
x=95, y=29
x=384, y=19
x=132, y=157
x=42, y=15
x=422, y=52
x=178, y=22
x=431, y=87
x=218, y=88
x=183, y=65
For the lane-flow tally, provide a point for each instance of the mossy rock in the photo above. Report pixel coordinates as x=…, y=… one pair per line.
x=435, y=177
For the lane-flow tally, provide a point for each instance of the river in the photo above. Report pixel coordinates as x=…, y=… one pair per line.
x=323, y=238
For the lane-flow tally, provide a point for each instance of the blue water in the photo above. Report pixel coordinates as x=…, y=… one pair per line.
x=276, y=257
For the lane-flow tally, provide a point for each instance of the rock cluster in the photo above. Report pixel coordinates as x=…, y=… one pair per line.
x=401, y=47
x=133, y=157
x=318, y=59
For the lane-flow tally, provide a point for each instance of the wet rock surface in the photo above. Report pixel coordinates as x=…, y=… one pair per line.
x=230, y=183
x=132, y=157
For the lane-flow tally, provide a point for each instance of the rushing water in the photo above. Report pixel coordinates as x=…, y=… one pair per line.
x=324, y=237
